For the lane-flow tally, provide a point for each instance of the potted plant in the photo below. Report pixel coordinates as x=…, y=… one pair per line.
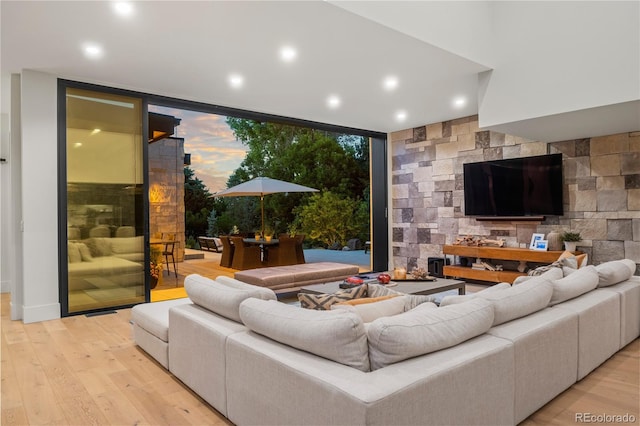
x=155, y=266
x=571, y=240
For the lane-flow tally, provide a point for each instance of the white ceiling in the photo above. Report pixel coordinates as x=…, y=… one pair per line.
x=187, y=50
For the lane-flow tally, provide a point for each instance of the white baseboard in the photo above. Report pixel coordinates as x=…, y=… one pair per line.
x=40, y=313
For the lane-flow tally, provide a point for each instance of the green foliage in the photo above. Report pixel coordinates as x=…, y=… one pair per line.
x=191, y=243
x=155, y=254
x=314, y=158
x=212, y=222
x=197, y=204
x=571, y=236
x=331, y=218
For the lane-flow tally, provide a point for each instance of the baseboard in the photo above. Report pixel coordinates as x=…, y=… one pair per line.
x=40, y=313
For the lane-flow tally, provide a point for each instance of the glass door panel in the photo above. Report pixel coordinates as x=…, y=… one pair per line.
x=105, y=207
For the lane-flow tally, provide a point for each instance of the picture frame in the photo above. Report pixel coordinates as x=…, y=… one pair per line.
x=542, y=245
x=534, y=239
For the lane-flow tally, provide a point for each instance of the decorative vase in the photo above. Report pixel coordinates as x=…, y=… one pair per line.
x=555, y=241
x=570, y=245
x=153, y=282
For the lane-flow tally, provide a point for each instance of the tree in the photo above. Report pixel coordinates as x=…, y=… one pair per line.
x=310, y=157
x=197, y=204
x=330, y=218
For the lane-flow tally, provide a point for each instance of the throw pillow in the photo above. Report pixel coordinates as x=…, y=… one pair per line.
x=323, y=302
x=74, y=253
x=375, y=308
x=452, y=300
x=85, y=253
x=98, y=246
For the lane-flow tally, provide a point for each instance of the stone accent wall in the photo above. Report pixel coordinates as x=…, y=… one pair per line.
x=166, y=190
x=601, y=191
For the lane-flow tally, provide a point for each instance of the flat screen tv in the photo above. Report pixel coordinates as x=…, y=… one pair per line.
x=517, y=187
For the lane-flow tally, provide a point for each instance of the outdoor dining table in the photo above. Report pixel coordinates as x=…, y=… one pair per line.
x=264, y=244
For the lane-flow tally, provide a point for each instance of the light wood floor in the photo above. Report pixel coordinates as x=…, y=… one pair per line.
x=86, y=370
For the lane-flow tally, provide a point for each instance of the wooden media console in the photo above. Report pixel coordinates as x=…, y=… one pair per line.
x=494, y=255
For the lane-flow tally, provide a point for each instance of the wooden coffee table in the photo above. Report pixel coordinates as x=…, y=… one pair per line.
x=408, y=287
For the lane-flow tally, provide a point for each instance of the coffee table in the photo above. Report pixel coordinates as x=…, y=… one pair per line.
x=408, y=287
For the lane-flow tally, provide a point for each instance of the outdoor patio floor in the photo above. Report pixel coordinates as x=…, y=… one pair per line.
x=209, y=265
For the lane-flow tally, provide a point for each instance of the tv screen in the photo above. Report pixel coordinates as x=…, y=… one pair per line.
x=530, y=186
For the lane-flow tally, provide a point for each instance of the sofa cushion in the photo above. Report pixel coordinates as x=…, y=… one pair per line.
x=615, y=271
x=574, y=284
x=519, y=301
x=127, y=244
x=99, y=246
x=336, y=335
x=412, y=300
x=266, y=293
x=423, y=330
x=550, y=274
x=452, y=300
x=374, y=308
x=219, y=298
x=323, y=302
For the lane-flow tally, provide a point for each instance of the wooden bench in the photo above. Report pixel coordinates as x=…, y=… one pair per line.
x=289, y=278
x=210, y=244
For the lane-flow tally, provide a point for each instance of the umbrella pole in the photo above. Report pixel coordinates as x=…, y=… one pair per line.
x=262, y=211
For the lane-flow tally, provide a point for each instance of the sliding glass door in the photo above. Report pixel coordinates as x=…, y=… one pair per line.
x=105, y=201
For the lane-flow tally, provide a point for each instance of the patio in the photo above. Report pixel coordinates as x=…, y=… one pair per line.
x=207, y=264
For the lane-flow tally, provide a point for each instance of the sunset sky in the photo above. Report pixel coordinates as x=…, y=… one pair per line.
x=215, y=153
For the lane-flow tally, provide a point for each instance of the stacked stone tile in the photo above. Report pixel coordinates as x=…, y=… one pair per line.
x=601, y=190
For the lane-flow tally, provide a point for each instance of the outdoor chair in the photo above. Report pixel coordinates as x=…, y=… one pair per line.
x=228, y=251
x=244, y=255
x=299, y=250
x=284, y=253
x=169, y=250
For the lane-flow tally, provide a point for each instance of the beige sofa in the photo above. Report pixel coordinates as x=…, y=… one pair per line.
x=102, y=262
x=494, y=357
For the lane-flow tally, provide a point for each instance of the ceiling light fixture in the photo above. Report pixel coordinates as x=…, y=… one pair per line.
x=123, y=8
x=95, y=131
x=333, y=101
x=459, y=102
x=92, y=51
x=288, y=54
x=401, y=115
x=390, y=83
x=236, y=81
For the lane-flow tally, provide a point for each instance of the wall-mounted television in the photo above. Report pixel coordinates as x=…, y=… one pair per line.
x=516, y=187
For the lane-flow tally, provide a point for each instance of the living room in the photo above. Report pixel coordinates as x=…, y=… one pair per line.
x=539, y=78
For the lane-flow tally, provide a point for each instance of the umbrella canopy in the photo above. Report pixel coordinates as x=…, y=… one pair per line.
x=261, y=186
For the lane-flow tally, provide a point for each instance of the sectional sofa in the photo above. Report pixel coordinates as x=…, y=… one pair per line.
x=493, y=357
x=105, y=262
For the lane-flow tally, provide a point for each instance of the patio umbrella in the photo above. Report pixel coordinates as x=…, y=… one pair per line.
x=262, y=186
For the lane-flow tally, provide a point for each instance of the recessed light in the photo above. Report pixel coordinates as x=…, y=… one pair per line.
x=123, y=8
x=92, y=51
x=236, y=81
x=288, y=53
x=77, y=144
x=390, y=83
x=333, y=101
x=95, y=131
x=401, y=115
x=459, y=102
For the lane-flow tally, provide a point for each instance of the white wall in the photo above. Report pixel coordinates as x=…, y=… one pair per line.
x=556, y=57
x=39, y=196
